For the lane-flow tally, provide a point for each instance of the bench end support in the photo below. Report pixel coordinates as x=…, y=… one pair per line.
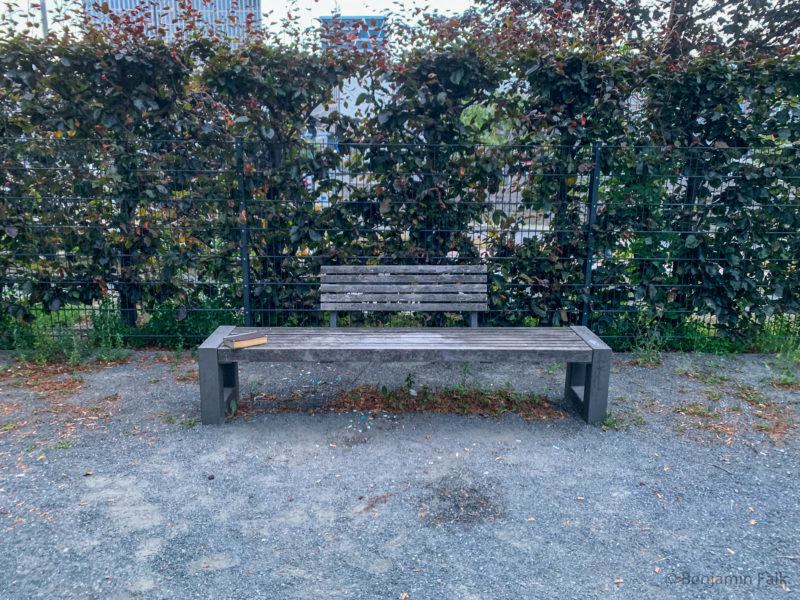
x=219, y=382
x=587, y=383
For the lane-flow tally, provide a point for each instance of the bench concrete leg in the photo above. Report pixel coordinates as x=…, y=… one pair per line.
x=219, y=383
x=587, y=385
x=219, y=389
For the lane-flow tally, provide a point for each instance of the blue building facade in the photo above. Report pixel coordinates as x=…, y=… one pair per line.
x=364, y=32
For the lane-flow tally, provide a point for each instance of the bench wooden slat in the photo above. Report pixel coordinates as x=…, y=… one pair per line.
x=415, y=344
x=459, y=355
x=450, y=287
x=403, y=298
x=404, y=278
x=564, y=334
x=394, y=307
x=392, y=335
x=344, y=343
x=508, y=335
x=403, y=269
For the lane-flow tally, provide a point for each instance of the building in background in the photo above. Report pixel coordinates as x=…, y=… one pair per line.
x=229, y=18
x=362, y=33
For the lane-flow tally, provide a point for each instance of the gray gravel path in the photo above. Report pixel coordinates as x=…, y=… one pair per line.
x=117, y=492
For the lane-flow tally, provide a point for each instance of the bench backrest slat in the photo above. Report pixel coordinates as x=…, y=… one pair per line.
x=403, y=278
x=404, y=287
x=409, y=269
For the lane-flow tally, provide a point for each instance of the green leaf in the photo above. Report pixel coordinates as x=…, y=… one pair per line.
x=692, y=241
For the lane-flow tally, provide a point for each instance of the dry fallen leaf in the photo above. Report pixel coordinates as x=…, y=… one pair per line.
x=657, y=569
x=499, y=458
x=618, y=581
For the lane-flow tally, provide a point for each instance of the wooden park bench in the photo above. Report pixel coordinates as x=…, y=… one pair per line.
x=450, y=288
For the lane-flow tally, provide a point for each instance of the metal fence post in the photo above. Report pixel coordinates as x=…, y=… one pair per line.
x=594, y=189
x=244, y=243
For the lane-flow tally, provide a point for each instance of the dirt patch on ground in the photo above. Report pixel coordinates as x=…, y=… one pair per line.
x=190, y=376
x=792, y=386
x=150, y=359
x=488, y=403
x=252, y=405
x=9, y=408
x=62, y=380
x=774, y=420
x=451, y=501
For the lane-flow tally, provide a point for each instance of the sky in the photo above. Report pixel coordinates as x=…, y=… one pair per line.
x=307, y=10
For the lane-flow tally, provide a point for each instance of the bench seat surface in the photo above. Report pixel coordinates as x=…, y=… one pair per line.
x=323, y=344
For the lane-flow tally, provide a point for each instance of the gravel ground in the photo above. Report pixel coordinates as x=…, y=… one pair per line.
x=117, y=491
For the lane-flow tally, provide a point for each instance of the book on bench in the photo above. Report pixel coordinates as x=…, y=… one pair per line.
x=244, y=340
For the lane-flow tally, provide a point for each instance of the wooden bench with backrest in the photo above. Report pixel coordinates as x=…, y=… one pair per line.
x=446, y=288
